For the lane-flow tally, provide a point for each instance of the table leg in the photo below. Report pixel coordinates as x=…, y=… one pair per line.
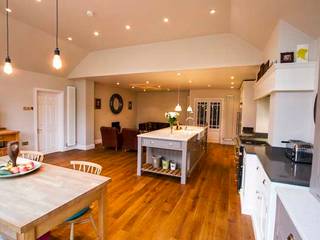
x=139, y=159
x=30, y=235
x=102, y=205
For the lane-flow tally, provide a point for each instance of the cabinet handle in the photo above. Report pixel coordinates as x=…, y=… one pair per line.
x=257, y=168
x=290, y=237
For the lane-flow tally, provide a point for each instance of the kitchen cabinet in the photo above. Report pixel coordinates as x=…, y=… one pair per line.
x=259, y=197
x=247, y=103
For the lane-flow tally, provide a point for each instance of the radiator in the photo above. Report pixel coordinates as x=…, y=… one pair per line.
x=71, y=116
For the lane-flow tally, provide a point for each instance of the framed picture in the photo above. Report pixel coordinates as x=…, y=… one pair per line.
x=302, y=53
x=98, y=103
x=130, y=105
x=287, y=57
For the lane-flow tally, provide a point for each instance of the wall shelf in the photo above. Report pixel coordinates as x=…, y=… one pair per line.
x=147, y=167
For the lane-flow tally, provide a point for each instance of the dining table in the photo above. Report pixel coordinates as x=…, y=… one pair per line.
x=33, y=204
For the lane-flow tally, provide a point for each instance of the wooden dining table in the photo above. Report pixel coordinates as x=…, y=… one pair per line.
x=33, y=204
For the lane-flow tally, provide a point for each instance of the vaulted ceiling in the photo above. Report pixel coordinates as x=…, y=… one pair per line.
x=253, y=20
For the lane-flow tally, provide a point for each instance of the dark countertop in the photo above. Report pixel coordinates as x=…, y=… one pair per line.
x=278, y=167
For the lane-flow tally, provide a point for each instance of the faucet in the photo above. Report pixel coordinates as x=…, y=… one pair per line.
x=187, y=120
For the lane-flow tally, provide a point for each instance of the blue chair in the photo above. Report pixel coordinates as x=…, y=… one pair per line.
x=85, y=214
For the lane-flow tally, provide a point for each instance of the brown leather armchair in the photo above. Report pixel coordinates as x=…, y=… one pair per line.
x=129, y=139
x=111, y=138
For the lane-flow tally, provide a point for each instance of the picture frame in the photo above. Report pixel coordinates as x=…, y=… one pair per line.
x=302, y=54
x=287, y=57
x=130, y=105
x=98, y=103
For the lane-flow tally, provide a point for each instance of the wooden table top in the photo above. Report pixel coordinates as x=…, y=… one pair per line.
x=26, y=200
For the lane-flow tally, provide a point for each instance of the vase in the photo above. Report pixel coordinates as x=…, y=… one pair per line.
x=171, y=128
x=13, y=152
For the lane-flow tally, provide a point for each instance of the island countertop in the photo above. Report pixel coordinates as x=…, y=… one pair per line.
x=177, y=135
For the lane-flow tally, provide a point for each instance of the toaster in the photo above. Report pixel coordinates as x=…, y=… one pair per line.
x=299, y=151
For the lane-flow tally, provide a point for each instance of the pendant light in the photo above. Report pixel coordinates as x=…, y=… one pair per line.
x=178, y=108
x=57, y=63
x=189, y=109
x=7, y=68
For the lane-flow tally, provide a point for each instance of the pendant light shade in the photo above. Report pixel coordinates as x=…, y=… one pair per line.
x=178, y=108
x=57, y=63
x=189, y=109
x=7, y=68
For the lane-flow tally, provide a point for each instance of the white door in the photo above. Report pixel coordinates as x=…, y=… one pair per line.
x=48, y=122
x=209, y=113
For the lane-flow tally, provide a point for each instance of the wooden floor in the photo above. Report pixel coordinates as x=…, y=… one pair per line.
x=158, y=207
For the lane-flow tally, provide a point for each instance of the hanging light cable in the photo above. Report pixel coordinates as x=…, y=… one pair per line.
x=178, y=108
x=7, y=68
x=57, y=63
x=189, y=109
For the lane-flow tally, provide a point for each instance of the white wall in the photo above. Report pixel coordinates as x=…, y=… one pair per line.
x=220, y=50
x=104, y=116
x=248, y=104
x=16, y=92
x=152, y=106
x=262, y=115
x=291, y=117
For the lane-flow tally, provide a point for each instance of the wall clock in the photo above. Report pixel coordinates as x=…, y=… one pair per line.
x=116, y=103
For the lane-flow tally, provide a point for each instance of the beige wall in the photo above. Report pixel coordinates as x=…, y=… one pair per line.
x=104, y=116
x=16, y=92
x=153, y=105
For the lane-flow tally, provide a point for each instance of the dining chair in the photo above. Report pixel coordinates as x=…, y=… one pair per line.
x=85, y=215
x=32, y=155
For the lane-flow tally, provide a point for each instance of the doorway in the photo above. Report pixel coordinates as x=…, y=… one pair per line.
x=48, y=120
x=209, y=113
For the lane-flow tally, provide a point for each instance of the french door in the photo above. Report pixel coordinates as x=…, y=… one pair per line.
x=209, y=113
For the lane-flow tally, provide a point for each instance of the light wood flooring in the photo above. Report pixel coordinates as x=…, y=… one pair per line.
x=158, y=207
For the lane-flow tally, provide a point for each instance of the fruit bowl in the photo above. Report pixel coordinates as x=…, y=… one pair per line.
x=24, y=166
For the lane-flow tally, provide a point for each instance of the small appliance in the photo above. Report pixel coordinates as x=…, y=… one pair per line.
x=299, y=151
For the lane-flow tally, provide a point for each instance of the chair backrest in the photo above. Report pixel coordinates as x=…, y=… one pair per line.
x=87, y=167
x=32, y=155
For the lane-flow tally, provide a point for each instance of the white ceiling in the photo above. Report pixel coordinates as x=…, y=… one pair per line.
x=251, y=19
x=217, y=78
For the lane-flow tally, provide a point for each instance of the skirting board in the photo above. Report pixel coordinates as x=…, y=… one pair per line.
x=85, y=147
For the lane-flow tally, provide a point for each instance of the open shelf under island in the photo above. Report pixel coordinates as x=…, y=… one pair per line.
x=185, y=147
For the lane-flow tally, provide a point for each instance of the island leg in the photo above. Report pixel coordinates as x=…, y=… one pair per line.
x=30, y=235
x=102, y=205
x=184, y=163
x=139, y=157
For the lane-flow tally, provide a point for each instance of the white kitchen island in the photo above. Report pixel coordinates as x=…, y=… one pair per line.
x=185, y=147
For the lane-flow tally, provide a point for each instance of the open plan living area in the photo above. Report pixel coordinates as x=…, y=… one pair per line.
x=159, y=120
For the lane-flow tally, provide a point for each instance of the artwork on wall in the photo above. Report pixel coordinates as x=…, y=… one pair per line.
x=130, y=105
x=98, y=103
x=116, y=103
x=302, y=53
x=287, y=57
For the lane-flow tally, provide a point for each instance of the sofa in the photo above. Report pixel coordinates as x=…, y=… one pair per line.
x=151, y=126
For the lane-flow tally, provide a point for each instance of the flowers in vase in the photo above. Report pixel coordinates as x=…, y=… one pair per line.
x=172, y=117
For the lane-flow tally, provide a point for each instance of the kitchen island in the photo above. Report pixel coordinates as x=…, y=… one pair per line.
x=184, y=147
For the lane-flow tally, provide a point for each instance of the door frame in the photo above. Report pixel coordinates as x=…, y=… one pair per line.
x=60, y=94
x=221, y=100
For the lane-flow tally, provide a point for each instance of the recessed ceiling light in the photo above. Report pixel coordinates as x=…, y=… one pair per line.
x=132, y=87
x=89, y=13
x=190, y=81
x=159, y=86
x=69, y=38
x=178, y=74
x=96, y=33
x=118, y=83
x=39, y=0
x=144, y=90
x=128, y=27
x=8, y=10
x=232, y=87
x=166, y=20
x=212, y=11
x=209, y=85
x=147, y=82
x=232, y=77
x=232, y=83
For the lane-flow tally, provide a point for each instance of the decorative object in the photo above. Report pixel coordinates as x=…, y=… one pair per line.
x=173, y=166
x=56, y=62
x=13, y=152
x=7, y=68
x=130, y=105
x=23, y=167
x=165, y=164
x=98, y=103
x=172, y=118
x=287, y=57
x=302, y=53
x=156, y=161
x=116, y=103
